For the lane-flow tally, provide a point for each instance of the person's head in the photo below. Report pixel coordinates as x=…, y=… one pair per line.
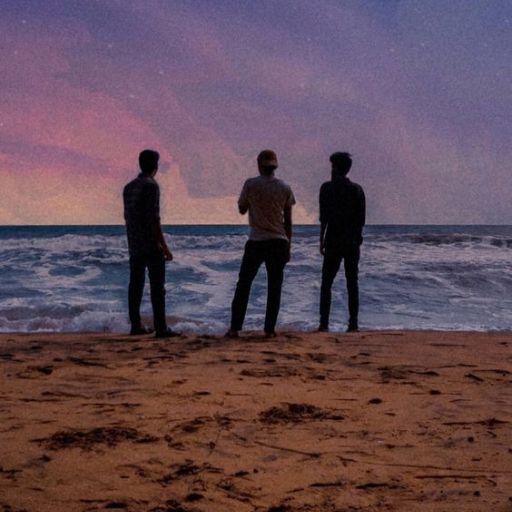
x=341, y=164
x=267, y=162
x=148, y=161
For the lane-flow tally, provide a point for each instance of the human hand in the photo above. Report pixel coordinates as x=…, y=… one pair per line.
x=167, y=254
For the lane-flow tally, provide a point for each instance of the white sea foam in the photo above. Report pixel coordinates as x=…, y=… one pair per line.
x=408, y=279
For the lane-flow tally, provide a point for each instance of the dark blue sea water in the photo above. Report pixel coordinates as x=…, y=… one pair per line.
x=68, y=278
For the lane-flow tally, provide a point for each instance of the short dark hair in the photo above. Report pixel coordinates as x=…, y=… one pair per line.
x=342, y=161
x=148, y=160
x=267, y=162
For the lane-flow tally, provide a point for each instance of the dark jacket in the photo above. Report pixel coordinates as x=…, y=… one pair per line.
x=343, y=209
x=142, y=214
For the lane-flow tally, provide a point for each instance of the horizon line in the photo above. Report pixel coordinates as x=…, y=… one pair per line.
x=243, y=225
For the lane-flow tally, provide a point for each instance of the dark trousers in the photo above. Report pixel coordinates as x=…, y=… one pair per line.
x=332, y=261
x=155, y=263
x=274, y=253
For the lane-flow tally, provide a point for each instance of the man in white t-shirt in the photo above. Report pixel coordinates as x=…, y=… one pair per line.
x=269, y=202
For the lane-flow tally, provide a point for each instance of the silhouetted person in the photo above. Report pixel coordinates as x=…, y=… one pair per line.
x=342, y=217
x=146, y=245
x=269, y=202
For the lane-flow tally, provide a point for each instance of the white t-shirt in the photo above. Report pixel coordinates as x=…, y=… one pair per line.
x=266, y=197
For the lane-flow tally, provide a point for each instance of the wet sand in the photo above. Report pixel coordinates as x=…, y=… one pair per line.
x=398, y=421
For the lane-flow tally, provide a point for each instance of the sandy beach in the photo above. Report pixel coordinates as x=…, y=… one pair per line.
x=412, y=421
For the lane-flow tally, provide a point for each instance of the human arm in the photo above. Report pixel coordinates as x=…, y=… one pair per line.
x=243, y=200
x=361, y=214
x=153, y=220
x=287, y=218
x=323, y=216
x=323, y=229
x=159, y=236
x=288, y=227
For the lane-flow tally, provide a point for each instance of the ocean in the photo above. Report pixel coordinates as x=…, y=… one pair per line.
x=74, y=278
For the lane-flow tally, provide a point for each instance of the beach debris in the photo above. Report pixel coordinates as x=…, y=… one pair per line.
x=280, y=508
x=222, y=420
x=116, y=504
x=377, y=485
x=9, y=474
x=318, y=357
x=375, y=401
x=8, y=508
x=474, y=377
x=490, y=423
x=337, y=483
x=276, y=371
x=86, y=362
x=193, y=425
x=172, y=443
x=402, y=372
x=187, y=468
x=46, y=370
x=170, y=506
x=229, y=487
x=194, y=496
x=295, y=413
x=87, y=439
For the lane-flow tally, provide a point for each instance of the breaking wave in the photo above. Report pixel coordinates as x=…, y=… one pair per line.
x=69, y=278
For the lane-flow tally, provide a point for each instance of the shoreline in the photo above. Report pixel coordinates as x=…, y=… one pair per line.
x=374, y=420
x=258, y=333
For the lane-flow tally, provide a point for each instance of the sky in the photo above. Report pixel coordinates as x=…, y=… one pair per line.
x=418, y=91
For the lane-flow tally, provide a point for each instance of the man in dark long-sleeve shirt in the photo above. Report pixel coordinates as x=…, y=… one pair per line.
x=146, y=244
x=342, y=217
